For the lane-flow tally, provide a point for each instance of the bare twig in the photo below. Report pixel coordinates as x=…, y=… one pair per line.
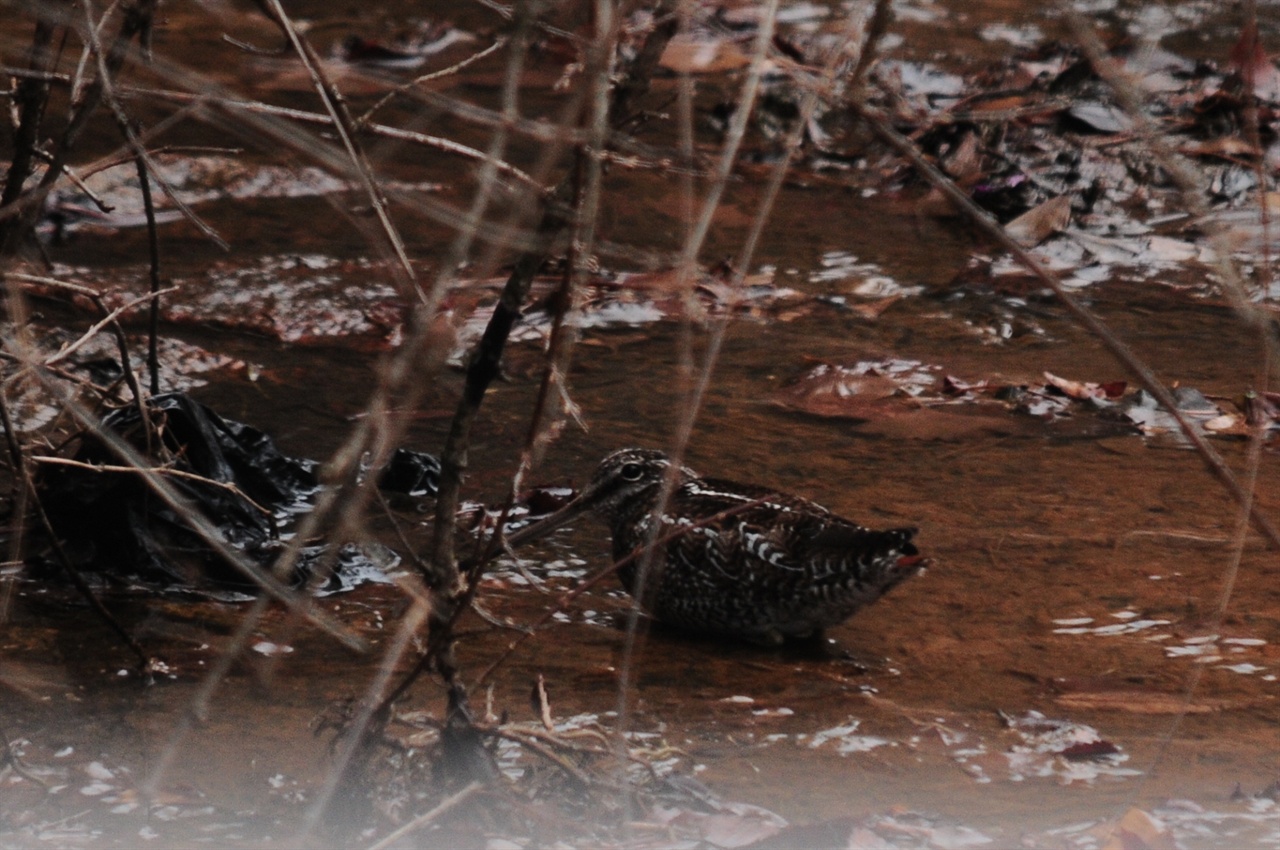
x=443, y=574
x=427, y=818
x=498, y=44
x=106, y=320
x=303, y=116
x=170, y=472
x=105, y=86
x=153, y=271
x=78, y=181
x=346, y=127
x=686, y=270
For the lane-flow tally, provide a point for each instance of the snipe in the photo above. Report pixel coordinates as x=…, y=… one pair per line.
x=735, y=560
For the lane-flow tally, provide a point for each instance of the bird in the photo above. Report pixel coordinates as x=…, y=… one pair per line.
x=730, y=560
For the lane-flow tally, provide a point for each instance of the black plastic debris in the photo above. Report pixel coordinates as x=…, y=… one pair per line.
x=113, y=523
x=410, y=473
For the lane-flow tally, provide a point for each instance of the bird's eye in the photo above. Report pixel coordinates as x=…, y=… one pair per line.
x=631, y=472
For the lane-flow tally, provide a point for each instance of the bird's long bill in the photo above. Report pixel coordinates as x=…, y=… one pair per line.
x=552, y=521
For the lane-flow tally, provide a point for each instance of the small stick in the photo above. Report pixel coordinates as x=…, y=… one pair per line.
x=426, y=78
x=153, y=470
x=342, y=122
x=425, y=819
x=106, y=320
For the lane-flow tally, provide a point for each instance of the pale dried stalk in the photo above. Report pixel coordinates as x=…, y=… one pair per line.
x=1192, y=199
x=686, y=271
x=427, y=818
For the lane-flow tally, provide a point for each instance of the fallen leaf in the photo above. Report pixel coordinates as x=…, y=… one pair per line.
x=964, y=162
x=872, y=310
x=1089, y=751
x=1075, y=389
x=1224, y=147
x=1040, y=222
x=702, y=54
x=1102, y=117
x=1138, y=830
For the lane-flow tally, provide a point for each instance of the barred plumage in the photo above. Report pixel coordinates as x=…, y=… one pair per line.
x=735, y=560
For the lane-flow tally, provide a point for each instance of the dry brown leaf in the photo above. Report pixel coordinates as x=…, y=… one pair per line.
x=873, y=309
x=1138, y=830
x=701, y=54
x=1075, y=389
x=1040, y=222
x=964, y=163
x=1226, y=147
x=1000, y=104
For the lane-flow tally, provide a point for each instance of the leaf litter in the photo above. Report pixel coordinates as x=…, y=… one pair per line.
x=871, y=390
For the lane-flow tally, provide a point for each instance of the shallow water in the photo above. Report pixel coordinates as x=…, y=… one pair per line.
x=1059, y=664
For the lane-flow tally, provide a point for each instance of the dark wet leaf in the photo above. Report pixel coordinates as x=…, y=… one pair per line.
x=1089, y=751
x=545, y=500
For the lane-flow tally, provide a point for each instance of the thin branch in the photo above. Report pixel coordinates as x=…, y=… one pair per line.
x=346, y=128
x=498, y=44
x=153, y=268
x=31, y=97
x=151, y=470
x=427, y=818
x=108, y=319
